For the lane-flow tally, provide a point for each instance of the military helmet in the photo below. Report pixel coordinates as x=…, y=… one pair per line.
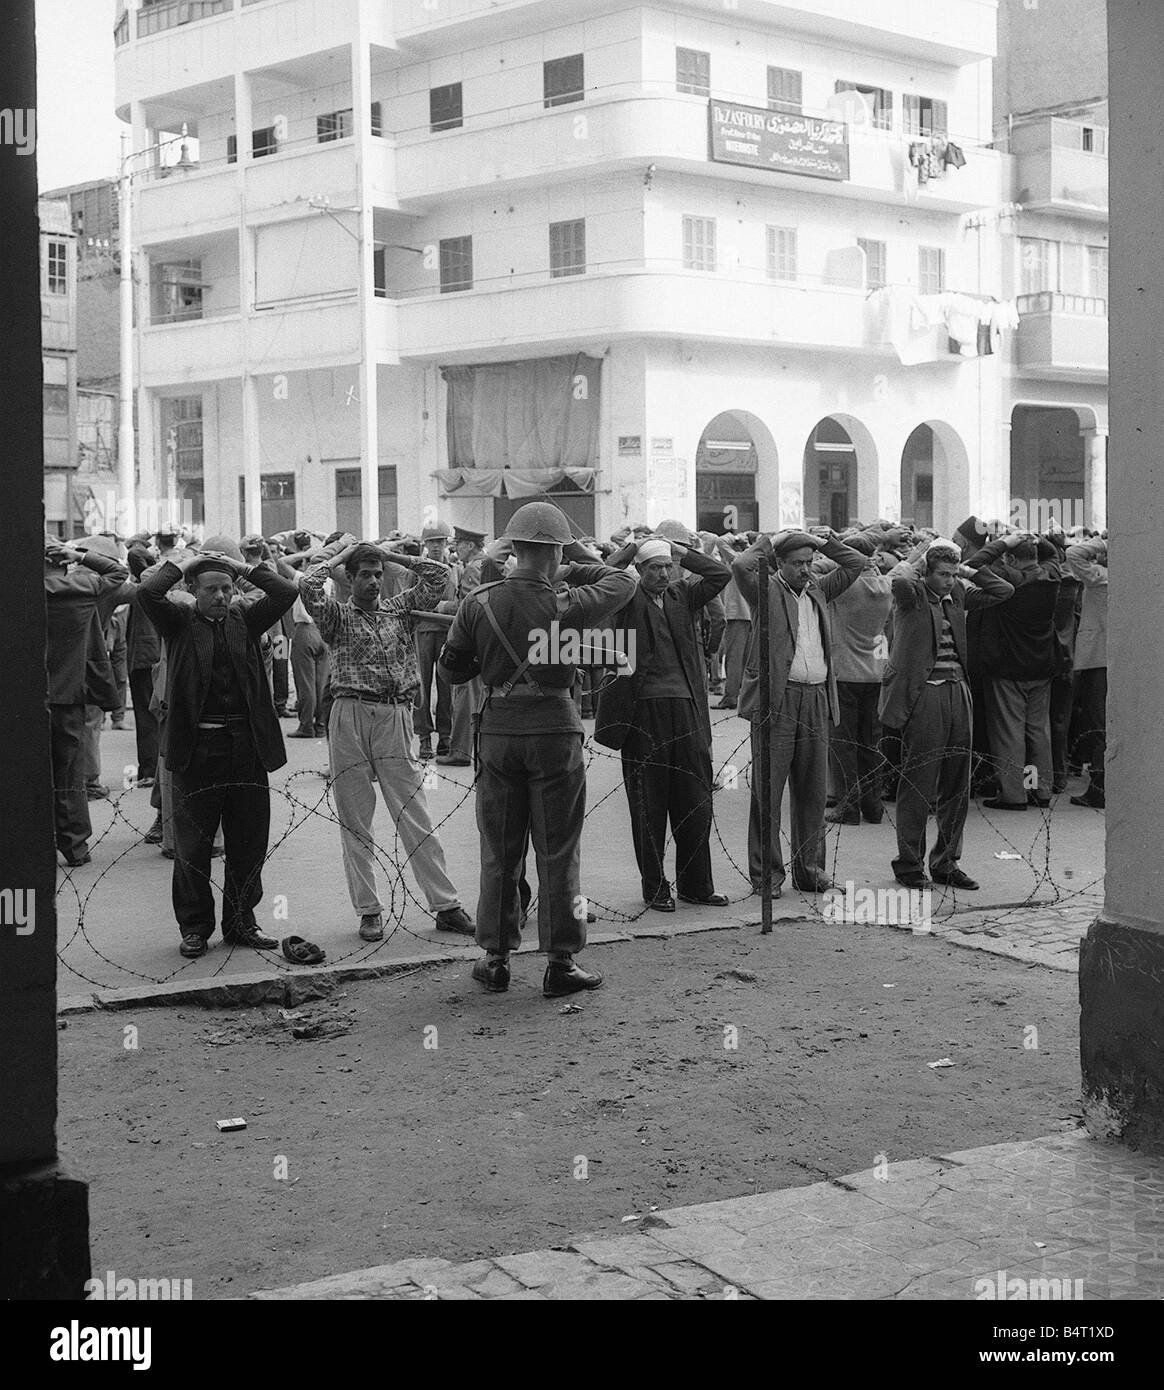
x=540, y=523
x=437, y=530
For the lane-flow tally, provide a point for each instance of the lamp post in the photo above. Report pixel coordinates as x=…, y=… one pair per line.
x=126, y=441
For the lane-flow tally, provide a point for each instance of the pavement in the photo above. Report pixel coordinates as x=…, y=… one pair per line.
x=1061, y=1217
x=1041, y=876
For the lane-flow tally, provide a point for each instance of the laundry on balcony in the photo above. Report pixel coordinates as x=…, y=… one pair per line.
x=932, y=158
x=934, y=327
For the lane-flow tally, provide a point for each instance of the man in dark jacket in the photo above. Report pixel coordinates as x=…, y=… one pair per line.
x=143, y=651
x=1019, y=652
x=925, y=694
x=79, y=674
x=802, y=691
x=659, y=718
x=221, y=736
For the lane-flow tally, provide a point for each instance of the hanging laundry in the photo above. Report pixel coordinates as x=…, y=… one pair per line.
x=952, y=155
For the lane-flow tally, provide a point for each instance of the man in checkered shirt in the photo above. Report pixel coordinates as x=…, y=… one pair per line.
x=374, y=680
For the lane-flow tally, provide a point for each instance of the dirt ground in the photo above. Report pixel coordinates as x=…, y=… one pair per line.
x=426, y=1118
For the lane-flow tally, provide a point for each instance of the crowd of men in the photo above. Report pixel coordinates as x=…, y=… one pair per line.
x=903, y=666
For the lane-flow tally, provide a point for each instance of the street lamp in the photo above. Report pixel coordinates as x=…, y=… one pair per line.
x=126, y=443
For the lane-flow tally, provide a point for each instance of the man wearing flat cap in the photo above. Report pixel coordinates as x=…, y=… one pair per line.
x=221, y=736
x=803, y=692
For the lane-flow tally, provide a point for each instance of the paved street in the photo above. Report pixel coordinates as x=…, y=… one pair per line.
x=1041, y=875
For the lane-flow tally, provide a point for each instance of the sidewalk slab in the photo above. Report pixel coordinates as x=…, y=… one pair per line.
x=1063, y=1214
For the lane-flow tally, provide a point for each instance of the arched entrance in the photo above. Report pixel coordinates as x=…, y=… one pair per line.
x=838, y=456
x=1047, y=465
x=917, y=478
x=934, y=476
x=732, y=450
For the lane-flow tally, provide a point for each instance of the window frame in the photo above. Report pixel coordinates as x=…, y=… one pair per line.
x=446, y=254
x=921, y=116
x=56, y=266
x=566, y=95
x=882, y=110
x=565, y=267
x=883, y=254
x=922, y=274
x=437, y=124
x=777, y=260
x=778, y=103
x=696, y=250
x=697, y=83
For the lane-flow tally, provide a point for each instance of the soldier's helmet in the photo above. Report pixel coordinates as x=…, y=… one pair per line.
x=437, y=530
x=540, y=523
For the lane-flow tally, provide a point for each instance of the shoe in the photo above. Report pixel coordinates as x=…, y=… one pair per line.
x=252, y=937
x=820, y=884
x=712, y=900
x=442, y=748
x=300, y=733
x=193, y=946
x=956, y=879
x=167, y=854
x=74, y=861
x=424, y=752
x=715, y=688
x=153, y=835
x=447, y=760
x=321, y=731
x=725, y=703
x=913, y=879
x=873, y=820
x=281, y=711
x=663, y=903
x=96, y=791
x=830, y=801
x=996, y=803
x=456, y=919
x=493, y=973
x=843, y=818
x=1042, y=803
x=145, y=782
x=777, y=890
x=371, y=927
x=1096, y=800
x=568, y=977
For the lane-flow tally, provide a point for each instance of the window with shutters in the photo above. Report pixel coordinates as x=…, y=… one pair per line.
x=693, y=72
x=568, y=248
x=563, y=80
x=931, y=269
x=784, y=89
x=923, y=116
x=878, y=99
x=875, y=276
x=781, y=253
x=1038, y=265
x=444, y=107
x=699, y=243
x=456, y=254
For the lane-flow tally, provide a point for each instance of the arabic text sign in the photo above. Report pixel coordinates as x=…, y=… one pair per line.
x=780, y=140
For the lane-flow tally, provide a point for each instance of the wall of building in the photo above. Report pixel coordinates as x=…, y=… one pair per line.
x=1049, y=52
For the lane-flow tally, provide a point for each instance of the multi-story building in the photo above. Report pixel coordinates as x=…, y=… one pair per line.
x=1051, y=115
x=713, y=259
x=58, y=329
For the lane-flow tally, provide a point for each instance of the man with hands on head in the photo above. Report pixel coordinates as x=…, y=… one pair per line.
x=375, y=679
x=221, y=736
x=925, y=694
x=803, y=691
x=658, y=716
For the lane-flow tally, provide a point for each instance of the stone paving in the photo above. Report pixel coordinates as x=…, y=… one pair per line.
x=1066, y=1216
x=1039, y=935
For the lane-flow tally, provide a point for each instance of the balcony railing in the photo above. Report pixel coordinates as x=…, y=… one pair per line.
x=121, y=29
x=1052, y=302
x=168, y=14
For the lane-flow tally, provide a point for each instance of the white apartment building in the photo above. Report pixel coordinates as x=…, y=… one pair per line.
x=719, y=259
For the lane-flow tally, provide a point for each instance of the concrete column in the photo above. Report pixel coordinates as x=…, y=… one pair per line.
x=44, y=1225
x=1122, y=959
x=252, y=461
x=248, y=387
x=1094, y=478
x=367, y=384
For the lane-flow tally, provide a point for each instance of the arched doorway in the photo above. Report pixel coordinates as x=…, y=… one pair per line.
x=934, y=477
x=1047, y=466
x=732, y=450
x=838, y=456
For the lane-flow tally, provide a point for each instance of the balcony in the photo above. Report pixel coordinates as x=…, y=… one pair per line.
x=955, y=32
x=153, y=17
x=284, y=337
x=628, y=300
x=531, y=145
x=1054, y=172
x=1062, y=337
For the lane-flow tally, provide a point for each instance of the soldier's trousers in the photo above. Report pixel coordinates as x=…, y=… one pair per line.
x=531, y=785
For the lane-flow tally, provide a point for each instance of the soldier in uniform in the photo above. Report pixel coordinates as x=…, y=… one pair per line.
x=531, y=779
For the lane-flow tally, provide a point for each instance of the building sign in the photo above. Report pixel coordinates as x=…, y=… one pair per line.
x=660, y=444
x=666, y=489
x=779, y=140
x=630, y=444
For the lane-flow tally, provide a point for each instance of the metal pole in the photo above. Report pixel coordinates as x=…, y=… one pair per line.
x=763, y=584
x=126, y=450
